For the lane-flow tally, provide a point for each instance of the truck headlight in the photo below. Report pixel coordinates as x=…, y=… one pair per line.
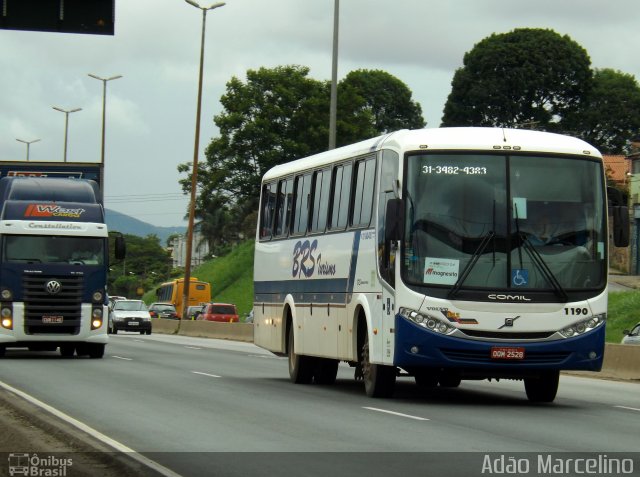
x=98, y=296
x=429, y=322
x=6, y=317
x=582, y=326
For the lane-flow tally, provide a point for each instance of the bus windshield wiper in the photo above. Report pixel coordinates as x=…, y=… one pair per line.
x=543, y=267
x=472, y=262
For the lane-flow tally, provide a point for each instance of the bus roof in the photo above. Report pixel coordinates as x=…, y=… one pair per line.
x=461, y=139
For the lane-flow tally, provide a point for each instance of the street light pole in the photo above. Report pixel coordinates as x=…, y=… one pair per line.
x=194, y=171
x=66, y=125
x=28, y=143
x=104, y=107
x=333, y=108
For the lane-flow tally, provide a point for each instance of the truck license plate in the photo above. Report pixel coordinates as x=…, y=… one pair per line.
x=52, y=319
x=499, y=352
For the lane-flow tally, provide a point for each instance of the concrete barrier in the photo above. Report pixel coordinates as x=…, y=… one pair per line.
x=621, y=361
x=213, y=329
x=164, y=326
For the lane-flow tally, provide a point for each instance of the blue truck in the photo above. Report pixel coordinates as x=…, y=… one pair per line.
x=54, y=258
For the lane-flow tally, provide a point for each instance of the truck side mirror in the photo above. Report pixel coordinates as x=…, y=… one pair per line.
x=120, y=248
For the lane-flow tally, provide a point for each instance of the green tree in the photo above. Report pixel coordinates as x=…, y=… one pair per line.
x=610, y=114
x=278, y=115
x=524, y=76
x=385, y=98
x=146, y=263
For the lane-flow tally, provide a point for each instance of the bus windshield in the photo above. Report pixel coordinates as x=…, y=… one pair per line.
x=506, y=222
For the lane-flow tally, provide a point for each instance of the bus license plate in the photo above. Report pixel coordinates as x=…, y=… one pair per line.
x=52, y=319
x=507, y=353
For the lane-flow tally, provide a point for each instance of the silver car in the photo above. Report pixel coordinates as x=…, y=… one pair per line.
x=633, y=336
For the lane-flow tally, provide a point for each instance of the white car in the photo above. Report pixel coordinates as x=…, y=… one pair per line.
x=633, y=336
x=129, y=315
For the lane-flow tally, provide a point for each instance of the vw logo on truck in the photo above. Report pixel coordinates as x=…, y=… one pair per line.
x=53, y=287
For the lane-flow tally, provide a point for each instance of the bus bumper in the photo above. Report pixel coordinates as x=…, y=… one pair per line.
x=417, y=347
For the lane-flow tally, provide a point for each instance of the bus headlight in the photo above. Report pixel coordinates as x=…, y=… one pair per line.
x=583, y=326
x=427, y=321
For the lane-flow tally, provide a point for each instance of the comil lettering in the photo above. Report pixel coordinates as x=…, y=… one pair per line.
x=494, y=296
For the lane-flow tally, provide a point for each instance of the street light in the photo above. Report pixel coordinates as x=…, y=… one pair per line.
x=28, y=143
x=333, y=107
x=194, y=172
x=66, y=125
x=104, y=106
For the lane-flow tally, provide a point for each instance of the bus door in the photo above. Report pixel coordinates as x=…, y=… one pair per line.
x=388, y=188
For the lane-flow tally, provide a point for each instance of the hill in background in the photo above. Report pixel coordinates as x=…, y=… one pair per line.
x=231, y=278
x=125, y=224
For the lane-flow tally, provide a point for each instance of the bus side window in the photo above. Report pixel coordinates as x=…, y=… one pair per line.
x=321, y=191
x=283, y=207
x=341, y=195
x=363, y=192
x=268, y=209
x=302, y=198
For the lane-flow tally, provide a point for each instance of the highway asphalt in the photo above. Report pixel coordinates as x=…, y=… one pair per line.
x=191, y=404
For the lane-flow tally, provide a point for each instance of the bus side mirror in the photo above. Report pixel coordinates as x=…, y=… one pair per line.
x=120, y=248
x=394, y=220
x=620, y=226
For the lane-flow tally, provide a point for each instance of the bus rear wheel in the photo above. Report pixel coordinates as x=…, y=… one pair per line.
x=301, y=368
x=326, y=371
x=379, y=380
x=542, y=388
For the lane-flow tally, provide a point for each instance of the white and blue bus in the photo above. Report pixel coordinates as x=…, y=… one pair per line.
x=442, y=254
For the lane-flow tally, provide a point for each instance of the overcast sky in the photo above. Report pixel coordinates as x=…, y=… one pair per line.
x=156, y=47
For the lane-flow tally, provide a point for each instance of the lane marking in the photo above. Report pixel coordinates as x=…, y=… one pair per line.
x=397, y=414
x=93, y=433
x=140, y=341
x=206, y=374
x=629, y=408
x=192, y=347
x=120, y=357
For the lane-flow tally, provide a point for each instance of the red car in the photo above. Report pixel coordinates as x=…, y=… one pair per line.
x=225, y=312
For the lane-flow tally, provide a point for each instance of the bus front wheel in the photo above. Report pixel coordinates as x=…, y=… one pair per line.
x=542, y=388
x=301, y=368
x=379, y=380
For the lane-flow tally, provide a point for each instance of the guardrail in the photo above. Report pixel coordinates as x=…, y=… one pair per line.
x=620, y=361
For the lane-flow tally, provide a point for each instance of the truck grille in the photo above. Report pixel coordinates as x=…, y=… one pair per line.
x=55, y=313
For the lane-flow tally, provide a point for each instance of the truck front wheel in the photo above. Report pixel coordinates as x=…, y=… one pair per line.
x=96, y=350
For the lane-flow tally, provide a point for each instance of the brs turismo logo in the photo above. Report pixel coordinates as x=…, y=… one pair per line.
x=51, y=210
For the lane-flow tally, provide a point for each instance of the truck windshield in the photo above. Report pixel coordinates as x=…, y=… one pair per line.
x=53, y=249
x=504, y=222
